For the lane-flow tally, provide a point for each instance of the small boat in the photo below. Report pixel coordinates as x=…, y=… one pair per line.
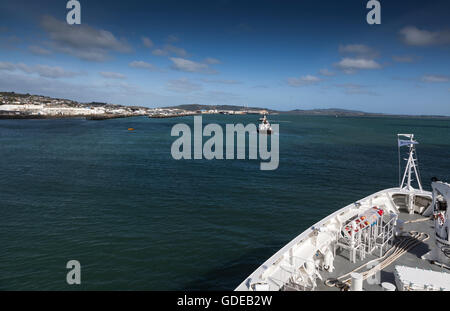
x=264, y=127
x=131, y=129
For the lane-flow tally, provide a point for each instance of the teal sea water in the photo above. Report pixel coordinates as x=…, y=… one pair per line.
x=137, y=219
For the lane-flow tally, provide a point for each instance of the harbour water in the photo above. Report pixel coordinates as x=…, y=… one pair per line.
x=136, y=219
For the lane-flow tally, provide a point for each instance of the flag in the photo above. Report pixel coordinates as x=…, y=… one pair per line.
x=402, y=142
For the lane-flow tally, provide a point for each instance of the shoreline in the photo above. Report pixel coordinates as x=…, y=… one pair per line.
x=165, y=116
x=26, y=106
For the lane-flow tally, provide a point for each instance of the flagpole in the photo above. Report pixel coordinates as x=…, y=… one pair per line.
x=411, y=165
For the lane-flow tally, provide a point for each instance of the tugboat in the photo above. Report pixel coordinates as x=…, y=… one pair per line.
x=264, y=127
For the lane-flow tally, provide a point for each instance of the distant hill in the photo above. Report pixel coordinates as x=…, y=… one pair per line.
x=355, y=113
x=195, y=107
x=329, y=112
x=307, y=112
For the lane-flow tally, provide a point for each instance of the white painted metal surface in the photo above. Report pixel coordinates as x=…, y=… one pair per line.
x=388, y=287
x=414, y=279
x=357, y=282
x=441, y=199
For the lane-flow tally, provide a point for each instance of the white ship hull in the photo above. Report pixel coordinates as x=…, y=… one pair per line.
x=278, y=270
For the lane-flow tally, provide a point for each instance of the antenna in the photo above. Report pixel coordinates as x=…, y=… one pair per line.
x=411, y=164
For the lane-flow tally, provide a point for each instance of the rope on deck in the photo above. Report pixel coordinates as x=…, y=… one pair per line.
x=401, y=246
x=417, y=220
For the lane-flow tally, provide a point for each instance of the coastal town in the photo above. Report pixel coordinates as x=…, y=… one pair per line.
x=26, y=106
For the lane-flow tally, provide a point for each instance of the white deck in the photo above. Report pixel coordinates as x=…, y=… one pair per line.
x=278, y=270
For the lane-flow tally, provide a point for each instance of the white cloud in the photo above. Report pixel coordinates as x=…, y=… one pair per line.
x=411, y=35
x=176, y=50
x=302, y=81
x=170, y=49
x=112, y=75
x=82, y=41
x=160, y=52
x=147, y=42
x=361, y=57
x=52, y=72
x=186, y=65
x=7, y=66
x=361, y=50
x=435, y=79
x=41, y=70
x=183, y=85
x=143, y=65
x=349, y=65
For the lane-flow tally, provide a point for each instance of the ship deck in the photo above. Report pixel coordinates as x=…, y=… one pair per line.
x=411, y=259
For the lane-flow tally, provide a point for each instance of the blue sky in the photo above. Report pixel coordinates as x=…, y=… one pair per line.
x=276, y=54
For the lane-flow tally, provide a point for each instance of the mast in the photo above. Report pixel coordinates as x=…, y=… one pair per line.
x=411, y=164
